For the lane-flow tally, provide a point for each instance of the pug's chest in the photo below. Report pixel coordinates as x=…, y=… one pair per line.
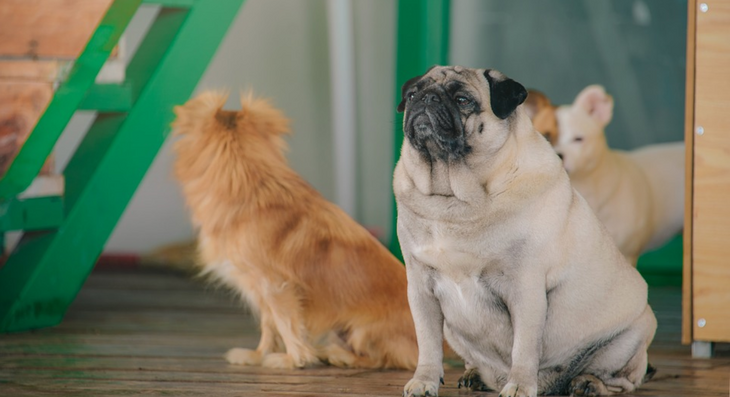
x=450, y=249
x=455, y=256
x=450, y=259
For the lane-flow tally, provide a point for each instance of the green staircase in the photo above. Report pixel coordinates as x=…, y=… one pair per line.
x=64, y=236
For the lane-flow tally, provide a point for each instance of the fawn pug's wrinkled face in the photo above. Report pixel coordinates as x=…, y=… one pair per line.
x=454, y=112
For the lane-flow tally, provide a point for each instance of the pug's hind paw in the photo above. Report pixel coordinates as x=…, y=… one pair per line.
x=419, y=388
x=472, y=380
x=515, y=390
x=587, y=385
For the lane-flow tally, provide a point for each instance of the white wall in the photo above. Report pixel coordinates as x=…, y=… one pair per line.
x=278, y=48
x=375, y=70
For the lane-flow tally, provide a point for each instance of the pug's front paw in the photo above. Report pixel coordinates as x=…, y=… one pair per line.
x=416, y=387
x=518, y=390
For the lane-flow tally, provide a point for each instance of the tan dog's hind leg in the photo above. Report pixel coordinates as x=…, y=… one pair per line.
x=336, y=355
x=286, y=313
x=332, y=349
x=401, y=353
x=384, y=343
x=375, y=345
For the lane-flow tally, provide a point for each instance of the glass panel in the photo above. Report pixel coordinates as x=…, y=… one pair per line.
x=634, y=48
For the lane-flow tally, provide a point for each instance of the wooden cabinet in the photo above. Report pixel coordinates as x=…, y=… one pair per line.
x=706, y=292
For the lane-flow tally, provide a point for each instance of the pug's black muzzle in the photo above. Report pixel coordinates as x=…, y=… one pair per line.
x=433, y=126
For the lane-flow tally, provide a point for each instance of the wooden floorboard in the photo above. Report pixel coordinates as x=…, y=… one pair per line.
x=159, y=333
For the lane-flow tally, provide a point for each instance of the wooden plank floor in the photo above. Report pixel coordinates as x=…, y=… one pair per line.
x=152, y=332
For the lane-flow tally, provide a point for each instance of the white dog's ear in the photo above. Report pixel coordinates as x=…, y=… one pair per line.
x=597, y=103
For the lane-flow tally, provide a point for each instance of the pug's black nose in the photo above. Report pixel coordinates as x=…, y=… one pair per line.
x=428, y=98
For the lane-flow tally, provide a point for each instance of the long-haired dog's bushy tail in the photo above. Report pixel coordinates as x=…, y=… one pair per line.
x=219, y=154
x=201, y=114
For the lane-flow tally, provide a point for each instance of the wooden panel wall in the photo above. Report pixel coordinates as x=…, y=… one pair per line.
x=711, y=186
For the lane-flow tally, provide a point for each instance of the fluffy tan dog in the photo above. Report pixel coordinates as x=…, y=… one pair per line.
x=323, y=287
x=503, y=257
x=638, y=195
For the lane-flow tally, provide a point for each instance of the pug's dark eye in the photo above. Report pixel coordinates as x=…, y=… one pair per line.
x=578, y=139
x=463, y=101
x=411, y=95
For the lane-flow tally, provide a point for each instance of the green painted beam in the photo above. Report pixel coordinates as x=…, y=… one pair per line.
x=68, y=96
x=108, y=98
x=36, y=213
x=88, y=156
x=173, y=3
x=121, y=97
x=46, y=271
x=152, y=49
x=422, y=42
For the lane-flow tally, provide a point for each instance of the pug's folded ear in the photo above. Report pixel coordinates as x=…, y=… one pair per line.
x=403, y=92
x=505, y=94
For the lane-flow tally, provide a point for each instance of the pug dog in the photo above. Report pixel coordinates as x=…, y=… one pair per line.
x=503, y=258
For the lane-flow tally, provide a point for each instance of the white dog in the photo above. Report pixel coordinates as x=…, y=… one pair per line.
x=639, y=194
